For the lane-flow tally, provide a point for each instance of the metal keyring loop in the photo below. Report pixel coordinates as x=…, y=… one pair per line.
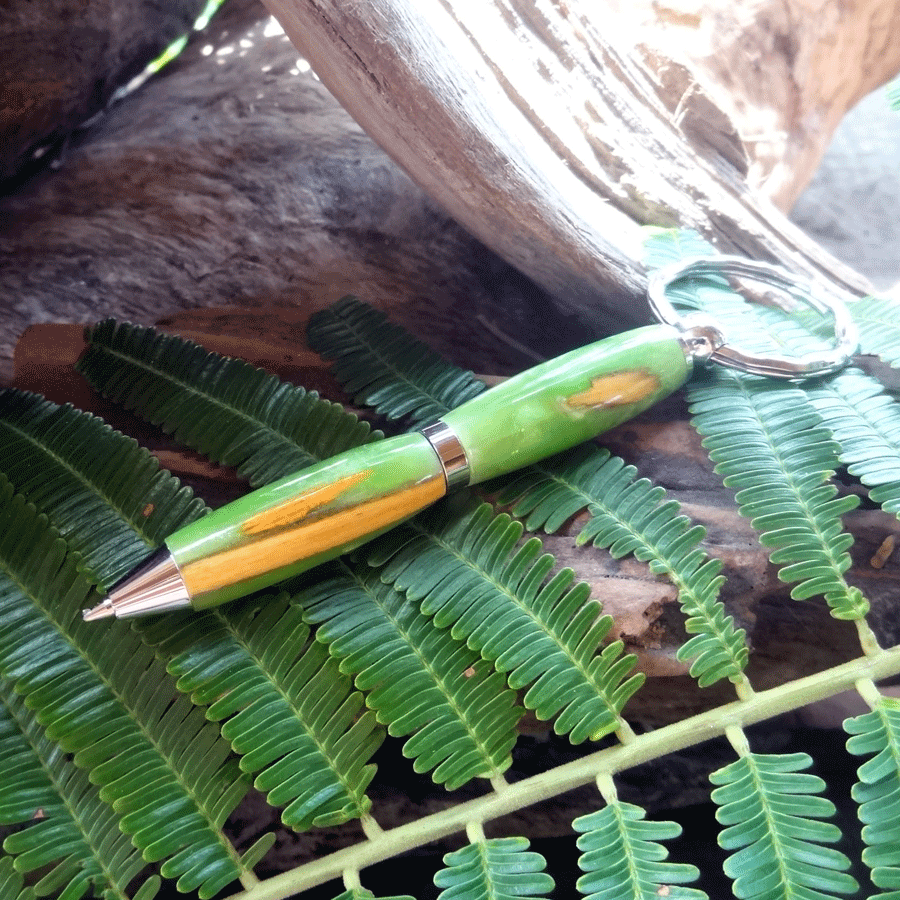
x=727, y=354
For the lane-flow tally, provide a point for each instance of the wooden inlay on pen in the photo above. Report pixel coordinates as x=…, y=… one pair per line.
x=292, y=511
x=615, y=389
x=306, y=540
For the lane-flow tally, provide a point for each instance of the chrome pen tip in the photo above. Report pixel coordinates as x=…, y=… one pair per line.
x=155, y=586
x=100, y=611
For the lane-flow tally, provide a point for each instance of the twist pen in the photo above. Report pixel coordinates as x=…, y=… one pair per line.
x=332, y=507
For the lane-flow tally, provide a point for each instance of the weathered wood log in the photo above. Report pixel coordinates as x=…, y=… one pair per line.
x=539, y=128
x=783, y=73
x=61, y=62
x=236, y=178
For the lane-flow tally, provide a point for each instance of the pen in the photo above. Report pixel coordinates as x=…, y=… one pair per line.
x=330, y=508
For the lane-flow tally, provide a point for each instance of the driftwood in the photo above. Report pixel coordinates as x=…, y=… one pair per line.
x=541, y=129
x=236, y=178
x=62, y=62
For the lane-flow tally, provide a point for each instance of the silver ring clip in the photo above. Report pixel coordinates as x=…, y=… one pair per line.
x=714, y=346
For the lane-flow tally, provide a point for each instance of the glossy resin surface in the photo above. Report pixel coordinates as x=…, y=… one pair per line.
x=306, y=518
x=568, y=400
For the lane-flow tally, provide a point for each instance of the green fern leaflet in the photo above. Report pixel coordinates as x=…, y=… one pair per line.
x=772, y=812
x=629, y=516
x=363, y=894
x=117, y=715
x=771, y=446
x=878, y=327
x=877, y=734
x=106, y=495
x=419, y=678
x=224, y=408
x=770, y=443
x=72, y=837
x=381, y=365
x=865, y=420
x=497, y=869
x=12, y=884
x=623, y=859
x=78, y=483
x=465, y=569
x=291, y=715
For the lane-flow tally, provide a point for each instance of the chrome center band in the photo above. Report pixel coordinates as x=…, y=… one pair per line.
x=450, y=452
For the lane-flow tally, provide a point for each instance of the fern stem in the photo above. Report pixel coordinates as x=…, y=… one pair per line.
x=248, y=879
x=607, y=787
x=645, y=748
x=866, y=689
x=371, y=828
x=499, y=783
x=738, y=740
x=743, y=688
x=867, y=639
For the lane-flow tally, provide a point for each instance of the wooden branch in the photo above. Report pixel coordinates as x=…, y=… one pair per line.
x=234, y=178
x=784, y=72
x=537, y=126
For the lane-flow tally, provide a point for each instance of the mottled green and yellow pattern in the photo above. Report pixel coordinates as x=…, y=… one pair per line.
x=330, y=508
x=568, y=400
x=306, y=518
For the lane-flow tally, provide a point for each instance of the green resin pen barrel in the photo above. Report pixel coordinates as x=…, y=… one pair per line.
x=569, y=400
x=332, y=507
x=305, y=519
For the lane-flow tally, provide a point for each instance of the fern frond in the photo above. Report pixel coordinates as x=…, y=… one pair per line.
x=467, y=572
x=420, y=679
x=381, y=365
x=865, y=421
x=771, y=446
x=623, y=858
x=629, y=516
x=11, y=883
x=663, y=246
x=290, y=713
x=878, y=325
x=224, y=408
x=877, y=734
x=78, y=478
x=350, y=330
x=105, y=495
x=72, y=835
x=772, y=811
x=102, y=696
x=496, y=869
x=770, y=441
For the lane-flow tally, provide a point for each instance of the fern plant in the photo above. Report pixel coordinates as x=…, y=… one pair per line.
x=126, y=747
